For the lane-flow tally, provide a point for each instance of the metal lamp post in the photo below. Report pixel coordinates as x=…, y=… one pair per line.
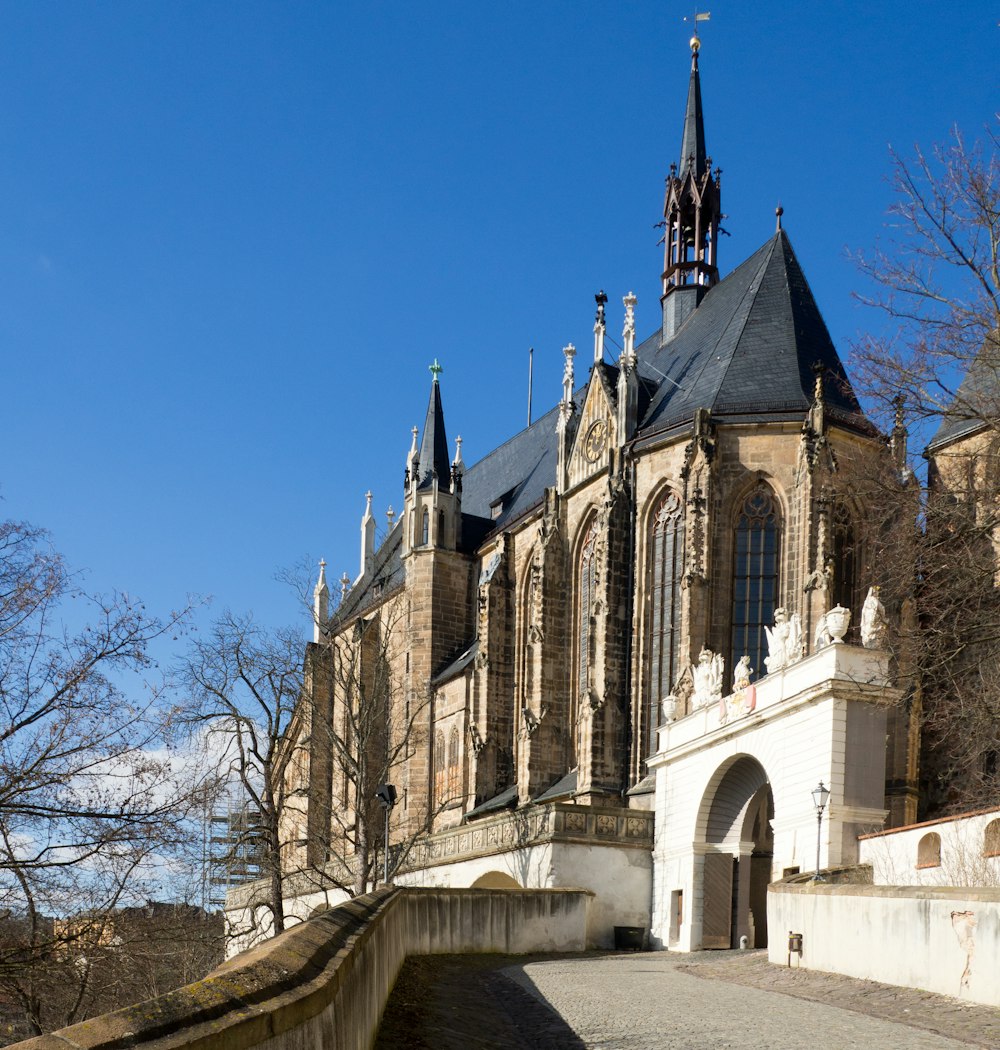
x=820, y=796
x=386, y=796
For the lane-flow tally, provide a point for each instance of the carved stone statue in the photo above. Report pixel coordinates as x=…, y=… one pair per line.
x=873, y=622
x=784, y=641
x=741, y=676
x=743, y=698
x=707, y=679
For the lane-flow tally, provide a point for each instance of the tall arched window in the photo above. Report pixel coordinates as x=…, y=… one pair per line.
x=425, y=528
x=845, y=561
x=585, y=603
x=454, y=765
x=665, y=567
x=440, y=767
x=755, y=576
x=526, y=614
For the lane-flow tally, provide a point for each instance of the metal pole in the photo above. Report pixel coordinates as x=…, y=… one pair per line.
x=819, y=825
x=531, y=361
x=385, y=878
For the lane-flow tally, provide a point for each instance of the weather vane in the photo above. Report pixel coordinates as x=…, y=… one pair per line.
x=698, y=16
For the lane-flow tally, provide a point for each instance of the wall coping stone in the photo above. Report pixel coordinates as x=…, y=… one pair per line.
x=263, y=992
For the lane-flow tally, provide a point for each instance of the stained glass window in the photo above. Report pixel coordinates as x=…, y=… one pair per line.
x=665, y=568
x=755, y=576
x=587, y=581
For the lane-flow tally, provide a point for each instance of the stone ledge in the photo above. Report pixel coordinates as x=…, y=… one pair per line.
x=860, y=889
x=248, y=999
x=333, y=970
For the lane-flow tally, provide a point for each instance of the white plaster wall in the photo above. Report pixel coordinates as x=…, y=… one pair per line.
x=621, y=880
x=893, y=854
x=910, y=936
x=798, y=734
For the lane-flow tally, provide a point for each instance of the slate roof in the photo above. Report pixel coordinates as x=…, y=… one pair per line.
x=976, y=402
x=749, y=349
x=385, y=576
x=746, y=354
x=434, y=443
x=693, y=137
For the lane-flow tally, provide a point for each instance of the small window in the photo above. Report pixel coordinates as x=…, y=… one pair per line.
x=991, y=840
x=425, y=529
x=929, y=851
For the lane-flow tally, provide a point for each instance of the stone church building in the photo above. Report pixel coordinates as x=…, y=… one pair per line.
x=546, y=622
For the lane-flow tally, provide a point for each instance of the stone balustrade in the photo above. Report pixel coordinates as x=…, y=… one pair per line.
x=325, y=981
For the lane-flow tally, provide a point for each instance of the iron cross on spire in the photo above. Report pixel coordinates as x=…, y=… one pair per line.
x=435, y=369
x=698, y=16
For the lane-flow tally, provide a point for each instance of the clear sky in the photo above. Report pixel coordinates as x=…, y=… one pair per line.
x=234, y=235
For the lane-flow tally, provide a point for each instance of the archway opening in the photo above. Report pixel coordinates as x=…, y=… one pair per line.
x=496, y=880
x=736, y=815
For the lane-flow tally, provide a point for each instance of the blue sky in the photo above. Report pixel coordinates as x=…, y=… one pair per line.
x=234, y=235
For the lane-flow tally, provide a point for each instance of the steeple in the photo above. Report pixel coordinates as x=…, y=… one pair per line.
x=434, y=461
x=432, y=508
x=693, y=139
x=691, y=210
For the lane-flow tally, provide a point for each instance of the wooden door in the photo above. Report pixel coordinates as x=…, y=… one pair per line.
x=718, y=900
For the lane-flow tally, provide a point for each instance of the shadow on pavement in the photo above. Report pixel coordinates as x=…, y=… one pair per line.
x=456, y=1002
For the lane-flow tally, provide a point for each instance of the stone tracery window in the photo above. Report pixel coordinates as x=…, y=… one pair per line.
x=440, y=768
x=454, y=764
x=756, y=562
x=665, y=564
x=587, y=581
x=845, y=560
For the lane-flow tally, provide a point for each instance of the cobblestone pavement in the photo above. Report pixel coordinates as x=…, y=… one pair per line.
x=659, y=1001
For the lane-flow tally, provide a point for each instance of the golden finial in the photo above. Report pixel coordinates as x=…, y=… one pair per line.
x=698, y=16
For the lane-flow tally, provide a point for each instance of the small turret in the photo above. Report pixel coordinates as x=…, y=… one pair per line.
x=628, y=376
x=367, y=537
x=432, y=511
x=321, y=604
x=600, y=327
x=566, y=410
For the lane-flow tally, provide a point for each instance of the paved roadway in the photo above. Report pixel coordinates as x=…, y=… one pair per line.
x=644, y=1002
x=660, y=1001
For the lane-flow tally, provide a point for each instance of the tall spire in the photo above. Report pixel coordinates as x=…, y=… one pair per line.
x=691, y=209
x=434, y=459
x=693, y=139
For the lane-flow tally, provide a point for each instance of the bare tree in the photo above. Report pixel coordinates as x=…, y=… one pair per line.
x=937, y=281
x=362, y=732
x=92, y=803
x=244, y=682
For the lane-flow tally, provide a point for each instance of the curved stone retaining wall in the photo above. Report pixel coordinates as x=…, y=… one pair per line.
x=942, y=939
x=325, y=982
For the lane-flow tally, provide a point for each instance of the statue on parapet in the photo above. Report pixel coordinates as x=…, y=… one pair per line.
x=707, y=679
x=874, y=625
x=784, y=641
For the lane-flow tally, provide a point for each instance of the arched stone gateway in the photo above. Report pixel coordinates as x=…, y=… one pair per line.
x=734, y=809
x=734, y=826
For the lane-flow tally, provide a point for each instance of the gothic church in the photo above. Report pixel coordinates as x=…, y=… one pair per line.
x=533, y=612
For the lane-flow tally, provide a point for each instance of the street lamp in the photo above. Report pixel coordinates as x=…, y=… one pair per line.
x=821, y=796
x=386, y=796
